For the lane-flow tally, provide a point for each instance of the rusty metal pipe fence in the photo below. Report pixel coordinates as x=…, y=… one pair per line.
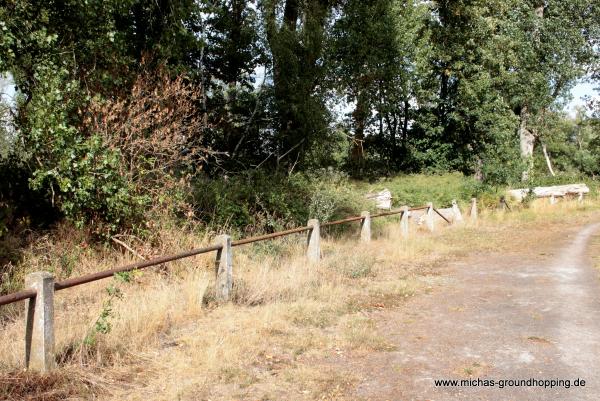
x=39, y=353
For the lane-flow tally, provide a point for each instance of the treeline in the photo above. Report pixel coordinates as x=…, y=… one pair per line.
x=126, y=106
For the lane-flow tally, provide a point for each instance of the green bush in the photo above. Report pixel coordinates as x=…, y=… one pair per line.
x=418, y=189
x=255, y=201
x=73, y=169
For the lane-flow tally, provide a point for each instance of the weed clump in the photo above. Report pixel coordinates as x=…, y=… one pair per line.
x=29, y=386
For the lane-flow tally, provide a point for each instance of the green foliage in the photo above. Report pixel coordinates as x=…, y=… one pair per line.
x=253, y=201
x=103, y=325
x=126, y=277
x=77, y=172
x=237, y=111
x=258, y=202
x=65, y=56
x=376, y=54
x=562, y=178
x=432, y=87
x=572, y=144
x=501, y=163
x=21, y=210
x=418, y=189
x=298, y=104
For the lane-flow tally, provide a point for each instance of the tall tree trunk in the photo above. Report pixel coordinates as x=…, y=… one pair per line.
x=478, y=169
x=232, y=134
x=547, y=157
x=291, y=13
x=360, y=121
x=296, y=46
x=405, y=123
x=540, y=8
x=393, y=134
x=526, y=136
x=527, y=141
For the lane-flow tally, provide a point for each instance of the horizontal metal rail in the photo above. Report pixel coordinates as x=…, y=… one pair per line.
x=442, y=216
x=270, y=236
x=72, y=282
x=342, y=221
x=17, y=296
x=356, y=218
x=390, y=213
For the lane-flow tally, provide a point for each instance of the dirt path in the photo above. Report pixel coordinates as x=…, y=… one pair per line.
x=533, y=314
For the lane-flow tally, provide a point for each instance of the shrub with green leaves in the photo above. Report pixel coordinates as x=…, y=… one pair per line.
x=255, y=201
x=75, y=170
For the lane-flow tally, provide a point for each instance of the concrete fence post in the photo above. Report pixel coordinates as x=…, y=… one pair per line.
x=224, y=269
x=456, y=211
x=313, y=249
x=473, y=213
x=502, y=204
x=552, y=199
x=365, y=227
x=39, y=331
x=429, y=217
x=580, y=197
x=404, y=222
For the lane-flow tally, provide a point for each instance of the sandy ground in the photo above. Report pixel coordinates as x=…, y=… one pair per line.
x=534, y=313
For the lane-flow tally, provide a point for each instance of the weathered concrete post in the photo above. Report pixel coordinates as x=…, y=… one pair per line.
x=313, y=249
x=224, y=269
x=404, y=222
x=456, y=211
x=502, y=203
x=552, y=199
x=580, y=197
x=429, y=217
x=39, y=331
x=365, y=227
x=473, y=213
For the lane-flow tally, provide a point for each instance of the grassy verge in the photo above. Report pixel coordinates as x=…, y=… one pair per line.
x=162, y=337
x=595, y=251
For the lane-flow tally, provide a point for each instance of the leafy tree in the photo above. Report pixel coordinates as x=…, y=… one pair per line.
x=64, y=55
x=571, y=143
x=364, y=60
x=296, y=40
x=465, y=121
x=552, y=43
x=467, y=85
x=236, y=109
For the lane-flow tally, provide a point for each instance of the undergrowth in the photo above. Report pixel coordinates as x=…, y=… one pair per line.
x=167, y=335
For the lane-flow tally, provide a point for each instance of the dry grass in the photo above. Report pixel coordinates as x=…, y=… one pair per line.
x=27, y=386
x=594, y=250
x=169, y=341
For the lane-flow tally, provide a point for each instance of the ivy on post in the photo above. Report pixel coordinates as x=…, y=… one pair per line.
x=39, y=331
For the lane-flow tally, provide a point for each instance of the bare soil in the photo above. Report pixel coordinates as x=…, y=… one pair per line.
x=531, y=313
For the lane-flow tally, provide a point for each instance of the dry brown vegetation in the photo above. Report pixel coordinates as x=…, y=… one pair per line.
x=155, y=130
x=161, y=117
x=170, y=341
x=595, y=250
